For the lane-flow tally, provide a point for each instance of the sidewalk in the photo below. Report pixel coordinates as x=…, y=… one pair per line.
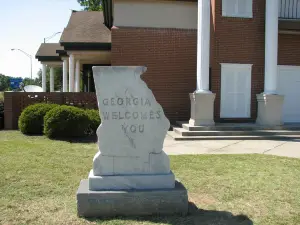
x=288, y=148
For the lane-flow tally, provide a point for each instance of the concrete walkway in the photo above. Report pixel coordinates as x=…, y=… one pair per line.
x=289, y=148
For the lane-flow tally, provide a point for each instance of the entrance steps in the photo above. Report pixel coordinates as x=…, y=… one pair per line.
x=234, y=131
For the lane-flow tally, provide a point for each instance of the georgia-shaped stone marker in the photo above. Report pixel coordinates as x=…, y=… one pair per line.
x=131, y=135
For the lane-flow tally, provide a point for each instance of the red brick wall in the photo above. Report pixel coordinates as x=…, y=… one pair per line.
x=289, y=49
x=170, y=56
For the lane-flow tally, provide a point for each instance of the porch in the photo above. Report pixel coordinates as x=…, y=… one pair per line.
x=289, y=16
x=84, y=43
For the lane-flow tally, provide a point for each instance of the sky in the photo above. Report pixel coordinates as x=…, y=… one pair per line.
x=23, y=25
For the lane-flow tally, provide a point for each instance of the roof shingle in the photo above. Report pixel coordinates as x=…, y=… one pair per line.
x=86, y=27
x=48, y=49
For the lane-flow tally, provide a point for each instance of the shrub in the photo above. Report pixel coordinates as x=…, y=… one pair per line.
x=66, y=122
x=94, y=120
x=31, y=120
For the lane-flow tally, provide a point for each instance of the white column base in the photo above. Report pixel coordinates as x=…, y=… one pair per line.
x=202, y=109
x=269, y=109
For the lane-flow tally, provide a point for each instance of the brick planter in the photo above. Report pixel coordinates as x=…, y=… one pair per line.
x=1, y=123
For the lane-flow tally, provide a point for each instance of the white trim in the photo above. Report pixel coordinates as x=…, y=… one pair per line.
x=155, y=14
x=248, y=14
x=288, y=86
x=247, y=89
x=288, y=67
x=236, y=65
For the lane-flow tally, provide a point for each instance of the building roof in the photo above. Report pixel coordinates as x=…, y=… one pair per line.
x=86, y=27
x=48, y=49
x=47, y=52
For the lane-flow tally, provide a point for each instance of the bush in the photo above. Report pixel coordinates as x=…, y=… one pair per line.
x=31, y=120
x=94, y=120
x=66, y=122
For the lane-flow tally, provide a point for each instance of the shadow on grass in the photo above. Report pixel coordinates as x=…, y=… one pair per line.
x=89, y=139
x=195, y=216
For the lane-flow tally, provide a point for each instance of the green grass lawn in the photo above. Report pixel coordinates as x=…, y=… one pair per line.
x=39, y=179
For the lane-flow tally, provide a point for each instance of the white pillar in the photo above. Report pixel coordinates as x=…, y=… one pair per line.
x=65, y=75
x=203, y=46
x=51, y=79
x=71, y=73
x=269, y=104
x=202, y=100
x=44, y=71
x=77, y=76
x=271, y=46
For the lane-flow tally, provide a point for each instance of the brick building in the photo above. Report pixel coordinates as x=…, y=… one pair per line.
x=253, y=49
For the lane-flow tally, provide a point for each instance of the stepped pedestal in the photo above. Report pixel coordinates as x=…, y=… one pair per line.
x=131, y=173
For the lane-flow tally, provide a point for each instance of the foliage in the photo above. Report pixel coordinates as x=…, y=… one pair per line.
x=66, y=122
x=57, y=78
x=91, y=5
x=94, y=120
x=28, y=81
x=4, y=83
x=31, y=120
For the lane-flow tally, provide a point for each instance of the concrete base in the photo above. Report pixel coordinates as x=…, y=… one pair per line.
x=131, y=203
x=202, y=109
x=131, y=182
x=269, y=110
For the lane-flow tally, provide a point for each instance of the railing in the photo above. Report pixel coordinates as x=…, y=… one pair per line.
x=289, y=9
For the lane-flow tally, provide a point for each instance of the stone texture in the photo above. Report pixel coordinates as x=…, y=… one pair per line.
x=202, y=109
x=269, y=110
x=131, y=173
x=131, y=203
x=103, y=165
x=159, y=163
x=132, y=131
x=131, y=182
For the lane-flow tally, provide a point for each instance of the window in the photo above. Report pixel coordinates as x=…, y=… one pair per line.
x=237, y=8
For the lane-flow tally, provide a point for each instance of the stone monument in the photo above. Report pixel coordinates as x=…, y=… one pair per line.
x=131, y=173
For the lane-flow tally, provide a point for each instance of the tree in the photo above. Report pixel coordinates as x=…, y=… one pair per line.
x=57, y=79
x=4, y=83
x=91, y=5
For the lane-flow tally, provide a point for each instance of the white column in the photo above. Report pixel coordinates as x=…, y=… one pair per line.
x=202, y=100
x=71, y=73
x=65, y=75
x=271, y=46
x=77, y=76
x=51, y=79
x=44, y=71
x=203, y=46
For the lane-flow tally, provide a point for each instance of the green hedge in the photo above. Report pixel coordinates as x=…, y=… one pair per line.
x=94, y=120
x=31, y=120
x=66, y=122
